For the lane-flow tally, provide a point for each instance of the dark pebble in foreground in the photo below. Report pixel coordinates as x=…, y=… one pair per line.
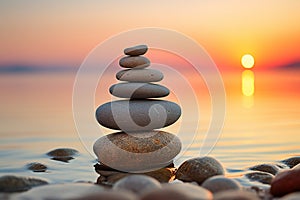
x=19, y=184
x=292, y=196
x=199, y=169
x=62, y=154
x=180, y=191
x=217, y=184
x=37, y=167
x=291, y=162
x=262, y=177
x=61, y=191
x=108, y=195
x=286, y=182
x=236, y=195
x=137, y=184
x=270, y=168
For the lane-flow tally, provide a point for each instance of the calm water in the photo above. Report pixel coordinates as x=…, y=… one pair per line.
x=36, y=116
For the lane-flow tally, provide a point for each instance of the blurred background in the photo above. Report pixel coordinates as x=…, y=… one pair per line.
x=255, y=45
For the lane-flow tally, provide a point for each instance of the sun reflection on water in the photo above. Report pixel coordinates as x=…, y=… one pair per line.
x=248, y=88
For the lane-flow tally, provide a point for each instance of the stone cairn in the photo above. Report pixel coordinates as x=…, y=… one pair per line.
x=138, y=148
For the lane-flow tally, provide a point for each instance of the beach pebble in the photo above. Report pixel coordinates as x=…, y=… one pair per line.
x=217, y=184
x=138, y=90
x=62, y=154
x=236, y=195
x=291, y=162
x=108, y=195
x=136, y=62
x=286, y=182
x=199, y=169
x=137, y=184
x=138, y=115
x=136, y=50
x=262, y=177
x=184, y=191
x=11, y=183
x=143, y=151
x=270, y=168
x=292, y=196
x=140, y=75
x=62, y=191
x=37, y=167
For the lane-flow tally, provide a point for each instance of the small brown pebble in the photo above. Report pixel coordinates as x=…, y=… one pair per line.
x=262, y=177
x=270, y=168
x=62, y=154
x=36, y=167
x=291, y=162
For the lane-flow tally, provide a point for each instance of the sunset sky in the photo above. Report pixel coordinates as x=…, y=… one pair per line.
x=62, y=33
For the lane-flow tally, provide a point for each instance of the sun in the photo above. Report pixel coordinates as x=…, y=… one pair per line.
x=247, y=61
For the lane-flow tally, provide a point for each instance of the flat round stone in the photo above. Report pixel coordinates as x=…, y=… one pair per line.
x=138, y=90
x=134, y=62
x=136, y=50
x=137, y=152
x=137, y=115
x=140, y=75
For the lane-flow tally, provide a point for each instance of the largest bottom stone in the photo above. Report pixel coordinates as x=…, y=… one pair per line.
x=137, y=152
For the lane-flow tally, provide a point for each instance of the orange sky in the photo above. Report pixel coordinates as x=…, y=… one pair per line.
x=56, y=33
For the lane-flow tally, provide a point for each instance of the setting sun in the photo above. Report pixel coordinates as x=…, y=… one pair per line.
x=247, y=61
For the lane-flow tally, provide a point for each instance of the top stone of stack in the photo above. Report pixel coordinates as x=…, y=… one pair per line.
x=136, y=50
x=134, y=58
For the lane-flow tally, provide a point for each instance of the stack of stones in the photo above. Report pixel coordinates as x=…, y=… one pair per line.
x=138, y=148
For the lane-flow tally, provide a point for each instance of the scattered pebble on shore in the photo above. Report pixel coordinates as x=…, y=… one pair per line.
x=220, y=183
x=262, y=177
x=137, y=184
x=199, y=169
x=62, y=154
x=269, y=168
x=36, y=167
x=11, y=183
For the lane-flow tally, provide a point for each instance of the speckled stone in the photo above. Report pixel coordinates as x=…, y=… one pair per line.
x=217, y=184
x=270, y=168
x=140, y=75
x=199, y=169
x=262, y=177
x=138, y=115
x=140, y=152
x=136, y=62
x=184, y=191
x=136, y=50
x=138, y=90
x=137, y=184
